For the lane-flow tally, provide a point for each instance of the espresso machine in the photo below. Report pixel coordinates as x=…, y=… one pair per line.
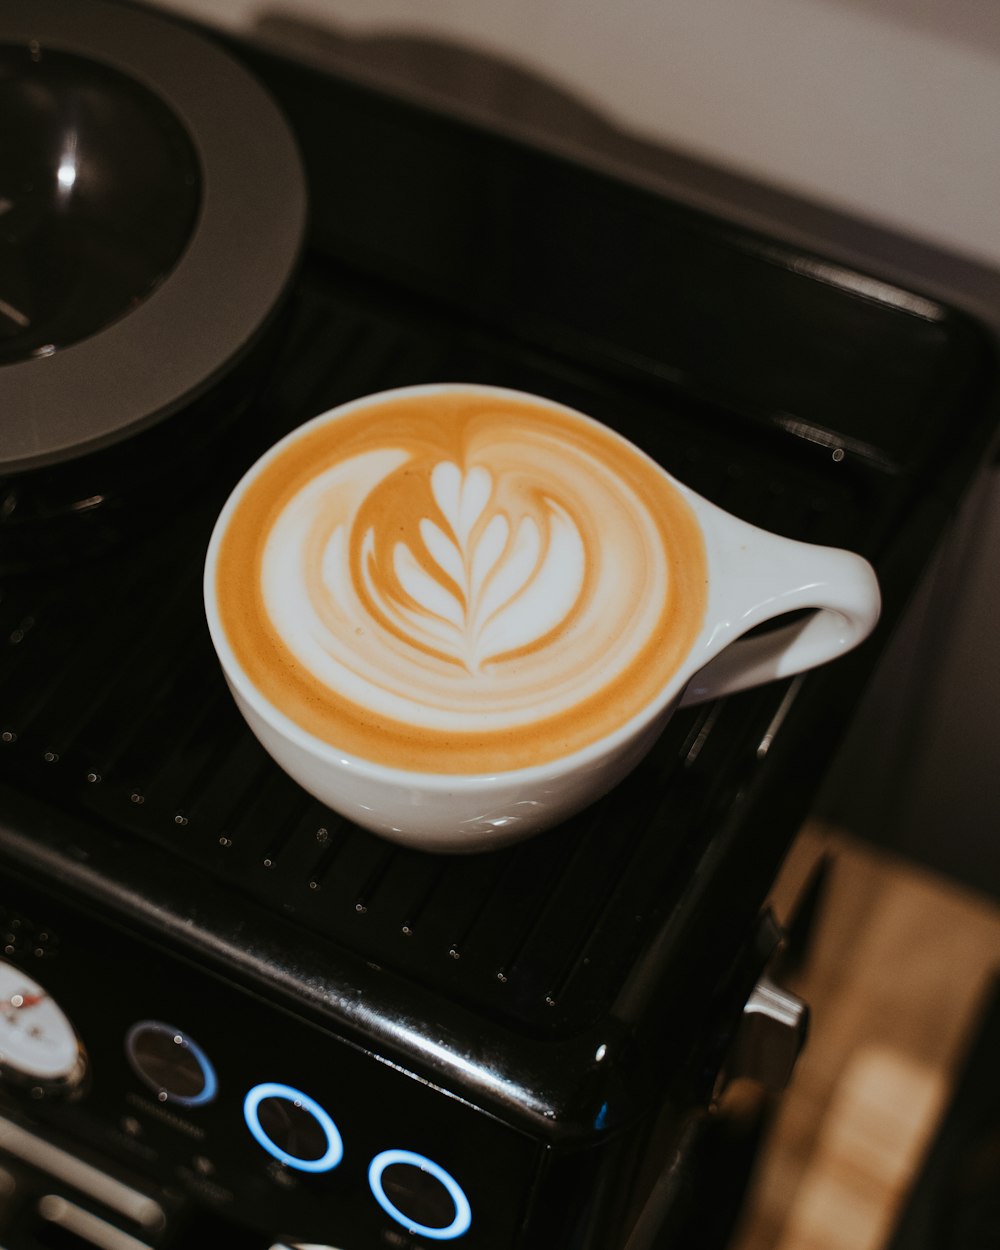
x=228, y=1016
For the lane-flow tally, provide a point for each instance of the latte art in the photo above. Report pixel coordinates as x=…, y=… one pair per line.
x=481, y=583
x=460, y=582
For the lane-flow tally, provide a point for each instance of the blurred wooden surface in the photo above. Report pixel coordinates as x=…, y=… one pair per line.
x=901, y=963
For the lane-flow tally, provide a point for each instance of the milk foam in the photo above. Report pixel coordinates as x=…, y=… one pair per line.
x=458, y=583
x=467, y=626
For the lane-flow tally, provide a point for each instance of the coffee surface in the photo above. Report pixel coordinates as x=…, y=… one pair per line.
x=462, y=581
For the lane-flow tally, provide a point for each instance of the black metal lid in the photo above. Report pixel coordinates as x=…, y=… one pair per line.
x=99, y=195
x=205, y=287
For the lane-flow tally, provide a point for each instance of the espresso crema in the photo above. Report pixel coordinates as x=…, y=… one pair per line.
x=460, y=581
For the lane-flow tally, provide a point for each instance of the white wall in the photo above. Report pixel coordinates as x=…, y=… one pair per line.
x=889, y=108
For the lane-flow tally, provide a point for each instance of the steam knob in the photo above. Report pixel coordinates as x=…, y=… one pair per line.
x=292, y=1127
x=770, y=1036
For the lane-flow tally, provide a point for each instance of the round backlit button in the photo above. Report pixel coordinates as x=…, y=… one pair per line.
x=170, y=1063
x=292, y=1127
x=420, y=1195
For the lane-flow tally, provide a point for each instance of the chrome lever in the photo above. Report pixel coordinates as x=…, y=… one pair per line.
x=769, y=1037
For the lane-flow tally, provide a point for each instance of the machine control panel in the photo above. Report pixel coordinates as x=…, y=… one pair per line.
x=186, y=1079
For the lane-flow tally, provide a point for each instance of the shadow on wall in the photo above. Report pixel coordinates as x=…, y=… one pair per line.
x=442, y=73
x=975, y=23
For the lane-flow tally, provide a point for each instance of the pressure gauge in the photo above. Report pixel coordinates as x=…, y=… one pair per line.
x=38, y=1045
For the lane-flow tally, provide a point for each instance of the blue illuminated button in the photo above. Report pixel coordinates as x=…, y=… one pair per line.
x=292, y=1127
x=419, y=1194
x=170, y=1063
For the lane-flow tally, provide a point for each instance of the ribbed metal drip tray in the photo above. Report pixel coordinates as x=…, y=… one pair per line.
x=113, y=708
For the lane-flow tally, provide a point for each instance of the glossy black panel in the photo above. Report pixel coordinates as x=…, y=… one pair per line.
x=208, y=1150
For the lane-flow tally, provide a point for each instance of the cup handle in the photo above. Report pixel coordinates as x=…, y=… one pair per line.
x=777, y=576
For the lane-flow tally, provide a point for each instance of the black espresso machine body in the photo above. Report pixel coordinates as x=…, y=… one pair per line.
x=225, y=1012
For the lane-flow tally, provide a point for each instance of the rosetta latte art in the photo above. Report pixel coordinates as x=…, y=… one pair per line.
x=483, y=583
x=464, y=583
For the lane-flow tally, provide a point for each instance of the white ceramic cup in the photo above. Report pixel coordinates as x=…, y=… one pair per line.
x=752, y=577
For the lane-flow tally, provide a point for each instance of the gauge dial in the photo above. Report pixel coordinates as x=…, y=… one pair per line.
x=38, y=1045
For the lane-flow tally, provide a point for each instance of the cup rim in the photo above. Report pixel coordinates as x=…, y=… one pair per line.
x=697, y=655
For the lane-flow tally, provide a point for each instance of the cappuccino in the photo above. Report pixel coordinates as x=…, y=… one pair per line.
x=459, y=580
